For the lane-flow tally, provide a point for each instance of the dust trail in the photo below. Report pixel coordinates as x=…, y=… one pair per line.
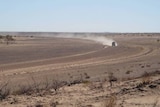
x=100, y=39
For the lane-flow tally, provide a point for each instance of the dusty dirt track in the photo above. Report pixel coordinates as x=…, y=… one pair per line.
x=69, y=59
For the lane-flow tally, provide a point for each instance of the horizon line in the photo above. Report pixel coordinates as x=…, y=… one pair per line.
x=66, y=32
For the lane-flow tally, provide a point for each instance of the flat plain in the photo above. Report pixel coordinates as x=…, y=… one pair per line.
x=94, y=75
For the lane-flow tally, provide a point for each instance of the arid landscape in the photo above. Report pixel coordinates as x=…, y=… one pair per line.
x=64, y=70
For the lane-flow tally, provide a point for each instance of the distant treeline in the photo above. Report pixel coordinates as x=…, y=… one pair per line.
x=52, y=34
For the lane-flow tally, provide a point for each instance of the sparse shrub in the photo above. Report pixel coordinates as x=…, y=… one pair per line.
x=86, y=82
x=88, y=106
x=24, y=89
x=39, y=88
x=111, y=102
x=8, y=39
x=56, y=85
x=86, y=76
x=14, y=101
x=35, y=86
x=54, y=104
x=1, y=37
x=142, y=66
x=76, y=81
x=98, y=85
x=46, y=84
x=148, y=65
x=157, y=71
x=152, y=86
x=111, y=78
x=145, y=80
x=4, y=91
x=129, y=71
x=38, y=105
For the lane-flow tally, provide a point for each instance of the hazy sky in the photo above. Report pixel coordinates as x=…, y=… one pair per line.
x=80, y=15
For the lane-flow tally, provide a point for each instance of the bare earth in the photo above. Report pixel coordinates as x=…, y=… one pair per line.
x=67, y=59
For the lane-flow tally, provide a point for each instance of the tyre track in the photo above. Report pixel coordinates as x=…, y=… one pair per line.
x=146, y=51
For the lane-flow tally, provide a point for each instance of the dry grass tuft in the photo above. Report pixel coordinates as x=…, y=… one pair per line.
x=111, y=102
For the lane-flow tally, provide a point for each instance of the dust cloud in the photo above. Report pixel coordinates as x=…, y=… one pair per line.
x=99, y=39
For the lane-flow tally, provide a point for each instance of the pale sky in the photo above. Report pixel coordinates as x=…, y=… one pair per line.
x=80, y=15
